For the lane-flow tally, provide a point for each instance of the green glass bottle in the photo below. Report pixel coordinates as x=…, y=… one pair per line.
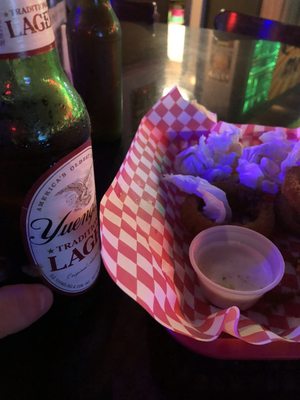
x=48, y=211
x=94, y=40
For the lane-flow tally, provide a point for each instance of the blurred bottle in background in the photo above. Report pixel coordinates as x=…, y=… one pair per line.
x=94, y=41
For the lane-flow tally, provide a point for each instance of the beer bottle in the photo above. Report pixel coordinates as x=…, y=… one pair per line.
x=48, y=210
x=94, y=40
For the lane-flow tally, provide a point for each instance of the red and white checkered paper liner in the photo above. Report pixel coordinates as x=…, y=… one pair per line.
x=145, y=248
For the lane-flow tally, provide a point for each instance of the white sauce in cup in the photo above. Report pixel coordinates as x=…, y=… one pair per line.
x=235, y=266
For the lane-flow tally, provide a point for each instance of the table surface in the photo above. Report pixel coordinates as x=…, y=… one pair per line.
x=103, y=345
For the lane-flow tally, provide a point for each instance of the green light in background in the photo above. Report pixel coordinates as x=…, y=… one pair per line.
x=261, y=72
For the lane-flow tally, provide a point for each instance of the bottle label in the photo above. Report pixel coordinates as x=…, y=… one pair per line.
x=25, y=27
x=60, y=223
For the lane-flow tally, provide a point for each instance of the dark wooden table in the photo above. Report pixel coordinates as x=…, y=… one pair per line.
x=103, y=345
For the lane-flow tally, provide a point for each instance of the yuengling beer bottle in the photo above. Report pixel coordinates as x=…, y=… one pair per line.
x=48, y=210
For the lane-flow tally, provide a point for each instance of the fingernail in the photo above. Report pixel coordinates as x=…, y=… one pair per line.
x=45, y=298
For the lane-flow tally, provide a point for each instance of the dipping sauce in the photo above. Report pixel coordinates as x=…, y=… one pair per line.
x=235, y=265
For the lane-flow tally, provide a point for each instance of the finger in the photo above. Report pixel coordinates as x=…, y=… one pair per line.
x=21, y=305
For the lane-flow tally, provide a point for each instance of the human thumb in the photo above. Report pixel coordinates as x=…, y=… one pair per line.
x=21, y=305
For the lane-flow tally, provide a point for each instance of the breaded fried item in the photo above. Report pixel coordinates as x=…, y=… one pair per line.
x=192, y=216
x=250, y=208
x=291, y=187
x=288, y=202
x=288, y=218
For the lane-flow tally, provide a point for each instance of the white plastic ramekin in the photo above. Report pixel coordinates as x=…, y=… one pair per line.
x=235, y=265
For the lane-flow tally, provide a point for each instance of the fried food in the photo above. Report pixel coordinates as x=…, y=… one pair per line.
x=291, y=187
x=288, y=202
x=288, y=218
x=192, y=216
x=251, y=209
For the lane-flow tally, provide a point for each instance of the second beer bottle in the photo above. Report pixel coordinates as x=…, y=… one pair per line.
x=94, y=39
